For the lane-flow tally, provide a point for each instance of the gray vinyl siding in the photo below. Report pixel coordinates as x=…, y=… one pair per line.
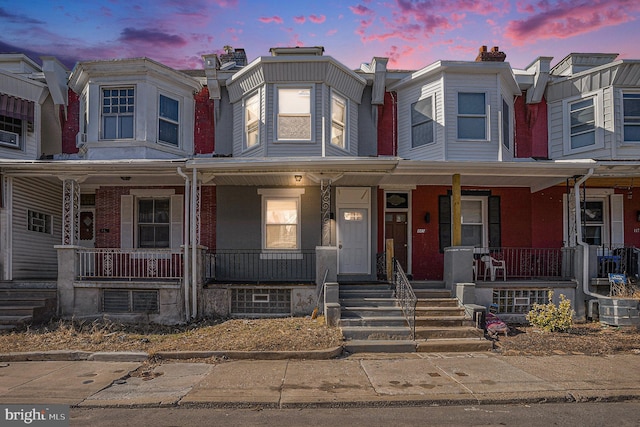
x=408, y=96
x=239, y=218
x=367, y=131
x=34, y=256
x=224, y=125
x=471, y=150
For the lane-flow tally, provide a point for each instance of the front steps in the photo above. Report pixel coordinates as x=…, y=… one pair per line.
x=21, y=304
x=372, y=322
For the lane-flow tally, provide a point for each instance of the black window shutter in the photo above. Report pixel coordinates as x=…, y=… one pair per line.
x=444, y=221
x=495, y=238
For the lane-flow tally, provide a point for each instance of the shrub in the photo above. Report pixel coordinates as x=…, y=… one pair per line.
x=552, y=318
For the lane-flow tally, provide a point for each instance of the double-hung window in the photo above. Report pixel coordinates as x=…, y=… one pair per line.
x=422, y=122
x=252, y=121
x=472, y=116
x=582, y=123
x=473, y=222
x=506, y=125
x=631, y=107
x=294, y=114
x=10, y=131
x=593, y=219
x=338, y=120
x=118, y=112
x=154, y=223
x=281, y=218
x=168, y=121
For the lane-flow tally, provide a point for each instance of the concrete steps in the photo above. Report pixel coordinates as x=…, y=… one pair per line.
x=371, y=321
x=22, y=305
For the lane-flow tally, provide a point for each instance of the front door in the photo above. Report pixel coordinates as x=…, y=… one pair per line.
x=396, y=229
x=353, y=248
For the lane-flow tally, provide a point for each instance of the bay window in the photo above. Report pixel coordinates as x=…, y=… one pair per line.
x=294, y=114
x=168, y=121
x=472, y=116
x=118, y=113
x=338, y=120
x=631, y=108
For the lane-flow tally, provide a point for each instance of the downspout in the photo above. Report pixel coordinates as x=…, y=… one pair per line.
x=585, y=246
x=194, y=249
x=186, y=246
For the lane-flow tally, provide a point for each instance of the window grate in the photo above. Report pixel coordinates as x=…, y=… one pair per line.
x=129, y=301
x=261, y=302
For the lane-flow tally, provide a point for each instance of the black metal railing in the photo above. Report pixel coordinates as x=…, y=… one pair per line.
x=525, y=263
x=257, y=266
x=621, y=260
x=405, y=296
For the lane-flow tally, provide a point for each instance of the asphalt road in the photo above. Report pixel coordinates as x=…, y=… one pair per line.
x=619, y=414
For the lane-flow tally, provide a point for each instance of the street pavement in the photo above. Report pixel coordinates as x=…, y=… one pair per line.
x=288, y=381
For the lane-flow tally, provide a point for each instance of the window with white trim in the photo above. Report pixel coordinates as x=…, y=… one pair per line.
x=281, y=227
x=338, y=120
x=593, y=222
x=474, y=223
x=506, y=125
x=118, y=112
x=422, y=122
x=169, y=120
x=294, y=114
x=582, y=123
x=154, y=223
x=631, y=108
x=472, y=116
x=252, y=121
x=10, y=131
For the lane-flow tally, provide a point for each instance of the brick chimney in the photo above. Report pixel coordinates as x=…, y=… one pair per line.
x=237, y=55
x=490, y=56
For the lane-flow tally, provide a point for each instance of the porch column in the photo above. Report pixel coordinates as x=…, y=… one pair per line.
x=325, y=208
x=456, y=210
x=70, y=211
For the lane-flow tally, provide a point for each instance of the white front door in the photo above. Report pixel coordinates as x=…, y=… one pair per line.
x=353, y=247
x=354, y=241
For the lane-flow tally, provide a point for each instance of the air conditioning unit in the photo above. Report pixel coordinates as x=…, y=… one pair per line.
x=9, y=138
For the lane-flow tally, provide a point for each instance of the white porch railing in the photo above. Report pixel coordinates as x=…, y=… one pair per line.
x=128, y=264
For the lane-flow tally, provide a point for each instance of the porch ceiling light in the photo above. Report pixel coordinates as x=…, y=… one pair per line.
x=125, y=178
x=298, y=178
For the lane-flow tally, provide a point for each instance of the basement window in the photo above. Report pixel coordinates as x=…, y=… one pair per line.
x=261, y=302
x=519, y=301
x=129, y=301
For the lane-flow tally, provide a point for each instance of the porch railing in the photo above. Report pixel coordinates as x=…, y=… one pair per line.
x=624, y=260
x=405, y=296
x=529, y=263
x=256, y=266
x=128, y=264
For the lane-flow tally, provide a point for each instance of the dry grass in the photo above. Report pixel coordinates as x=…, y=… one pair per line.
x=294, y=333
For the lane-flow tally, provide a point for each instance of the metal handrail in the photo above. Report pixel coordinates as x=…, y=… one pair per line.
x=405, y=296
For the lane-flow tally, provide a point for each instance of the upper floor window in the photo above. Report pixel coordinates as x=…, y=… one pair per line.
x=582, y=123
x=168, y=120
x=506, y=124
x=631, y=107
x=153, y=223
x=10, y=131
x=294, y=114
x=252, y=120
x=338, y=120
x=422, y=122
x=472, y=116
x=117, y=113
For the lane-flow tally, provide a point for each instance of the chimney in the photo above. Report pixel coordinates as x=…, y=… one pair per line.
x=490, y=56
x=238, y=55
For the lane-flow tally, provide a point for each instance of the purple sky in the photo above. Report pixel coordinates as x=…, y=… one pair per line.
x=412, y=33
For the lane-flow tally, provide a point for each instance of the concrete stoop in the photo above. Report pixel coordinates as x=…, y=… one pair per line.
x=372, y=322
x=20, y=306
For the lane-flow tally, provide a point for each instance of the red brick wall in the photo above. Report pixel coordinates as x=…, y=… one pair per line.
x=204, y=132
x=387, y=126
x=531, y=138
x=208, y=216
x=70, y=125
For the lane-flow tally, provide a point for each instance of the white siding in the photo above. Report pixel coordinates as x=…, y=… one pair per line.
x=34, y=256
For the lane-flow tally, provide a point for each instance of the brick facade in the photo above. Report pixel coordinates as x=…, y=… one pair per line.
x=70, y=125
x=204, y=132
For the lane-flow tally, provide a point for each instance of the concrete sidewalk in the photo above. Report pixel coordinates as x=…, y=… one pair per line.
x=358, y=380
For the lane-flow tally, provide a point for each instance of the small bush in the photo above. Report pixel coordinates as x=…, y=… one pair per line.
x=552, y=318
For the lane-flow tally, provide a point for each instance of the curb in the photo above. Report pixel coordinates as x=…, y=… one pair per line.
x=102, y=356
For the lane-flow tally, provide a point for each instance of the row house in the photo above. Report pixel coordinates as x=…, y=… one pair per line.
x=142, y=192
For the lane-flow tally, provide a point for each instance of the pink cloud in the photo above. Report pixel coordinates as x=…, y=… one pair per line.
x=317, y=19
x=299, y=19
x=361, y=10
x=570, y=18
x=272, y=19
x=332, y=32
x=148, y=36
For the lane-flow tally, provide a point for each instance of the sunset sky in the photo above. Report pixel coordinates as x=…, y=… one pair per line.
x=412, y=33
